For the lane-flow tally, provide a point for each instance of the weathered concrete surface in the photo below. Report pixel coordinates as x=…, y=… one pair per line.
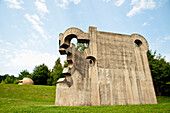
x=114, y=70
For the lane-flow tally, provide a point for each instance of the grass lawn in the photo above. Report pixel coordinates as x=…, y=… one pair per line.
x=33, y=99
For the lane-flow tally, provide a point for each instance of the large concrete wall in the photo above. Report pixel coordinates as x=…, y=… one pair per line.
x=113, y=70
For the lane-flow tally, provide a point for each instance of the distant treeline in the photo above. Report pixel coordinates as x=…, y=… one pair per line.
x=160, y=70
x=41, y=75
x=6, y=77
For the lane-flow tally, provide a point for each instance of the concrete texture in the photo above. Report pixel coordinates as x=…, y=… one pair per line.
x=114, y=70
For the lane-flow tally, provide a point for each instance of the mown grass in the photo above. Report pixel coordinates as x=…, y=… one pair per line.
x=33, y=99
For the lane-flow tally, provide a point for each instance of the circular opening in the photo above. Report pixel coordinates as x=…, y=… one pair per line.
x=91, y=62
x=138, y=43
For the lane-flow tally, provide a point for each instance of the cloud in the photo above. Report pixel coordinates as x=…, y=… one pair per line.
x=30, y=58
x=5, y=47
x=106, y=0
x=25, y=54
x=65, y=3
x=167, y=56
x=167, y=38
x=158, y=42
x=139, y=5
x=161, y=2
x=15, y=4
x=2, y=50
x=119, y=2
x=41, y=6
x=75, y=1
x=145, y=24
x=35, y=20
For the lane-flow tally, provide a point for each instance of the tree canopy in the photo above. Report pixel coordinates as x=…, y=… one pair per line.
x=82, y=46
x=56, y=73
x=40, y=74
x=160, y=71
x=24, y=73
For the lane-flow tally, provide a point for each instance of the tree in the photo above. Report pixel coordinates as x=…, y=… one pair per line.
x=10, y=79
x=65, y=63
x=2, y=82
x=160, y=70
x=24, y=73
x=3, y=77
x=40, y=74
x=82, y=46
x=56, y=73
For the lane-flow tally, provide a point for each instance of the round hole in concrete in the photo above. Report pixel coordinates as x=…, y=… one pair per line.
x=91, y=61
x=138, y=43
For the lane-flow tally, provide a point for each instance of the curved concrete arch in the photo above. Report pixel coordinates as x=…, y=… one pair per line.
x=91, y=58
x=70, y=33
x=74, y=31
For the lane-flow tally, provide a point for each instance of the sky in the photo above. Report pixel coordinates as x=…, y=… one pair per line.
x=29, y=29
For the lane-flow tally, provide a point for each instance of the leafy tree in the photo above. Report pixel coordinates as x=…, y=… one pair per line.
x=16, y=81
x=160, y=70
x=56, y=73
x=10, y=79
x=82, y=46
x=40, y=74
x=24, y=73
x=2, y=82
x=65, y=63
x=3, y=77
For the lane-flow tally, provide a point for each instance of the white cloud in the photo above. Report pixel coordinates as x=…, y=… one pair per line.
x=24, y=54
x=158, y=42
x=5, y=47
x=119, y=2
x=167, y=38
x=35, y=20
x=167, y=57
x=63, y=58
x=161, y=2
x=2, y=50
x=30, y=58
x=15, y=4
x=106, y=0
x=65, y=3
x=35, y=36
x=8, y=44
x=144, y=24
x=41, y=6
x=75, y=1
x=139, y=5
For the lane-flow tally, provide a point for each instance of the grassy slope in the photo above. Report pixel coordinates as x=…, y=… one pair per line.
x=15, y=98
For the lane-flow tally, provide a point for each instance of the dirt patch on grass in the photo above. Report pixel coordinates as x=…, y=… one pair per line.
x=10, y=99
x=46, y=105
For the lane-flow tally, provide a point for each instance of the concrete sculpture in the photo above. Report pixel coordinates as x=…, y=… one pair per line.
x=26, y=81
x=114, y=70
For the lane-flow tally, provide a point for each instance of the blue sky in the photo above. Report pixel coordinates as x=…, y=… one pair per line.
x=29, y=29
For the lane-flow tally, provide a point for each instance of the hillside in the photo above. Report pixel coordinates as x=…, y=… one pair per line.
x=38, y=98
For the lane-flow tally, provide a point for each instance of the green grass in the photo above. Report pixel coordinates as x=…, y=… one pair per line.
x=33, y=99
